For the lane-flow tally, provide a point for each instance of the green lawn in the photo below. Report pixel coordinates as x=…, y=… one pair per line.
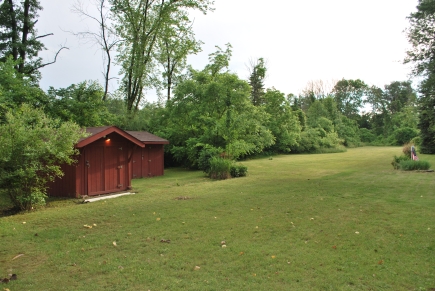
x=344, y=221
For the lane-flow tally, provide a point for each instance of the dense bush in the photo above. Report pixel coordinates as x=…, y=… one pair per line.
x=238, y=171
x=404, y=135
x=366, y=135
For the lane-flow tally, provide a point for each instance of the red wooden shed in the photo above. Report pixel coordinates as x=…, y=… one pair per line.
x=104, y=164
x=148, y=161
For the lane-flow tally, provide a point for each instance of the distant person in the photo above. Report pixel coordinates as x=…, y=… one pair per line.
x=413, y=154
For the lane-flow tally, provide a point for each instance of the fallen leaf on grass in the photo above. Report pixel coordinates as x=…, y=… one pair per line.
x=158, y=218
x=241, y=253
x=197, y=268
x=334, y=247
x=87, y=226
x=17, y=256
x=114, y=243
x=273, y=257
x=6, y=289
x=380, y=262
x=357, y=232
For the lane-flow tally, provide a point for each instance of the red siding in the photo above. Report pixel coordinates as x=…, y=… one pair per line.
x=149, y=161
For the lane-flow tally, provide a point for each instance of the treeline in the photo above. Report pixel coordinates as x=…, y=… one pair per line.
x=214, y=112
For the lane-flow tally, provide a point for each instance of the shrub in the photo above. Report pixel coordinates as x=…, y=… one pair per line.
x=410, y=165
x=397, y=160
x=32, y=148
x=219, y=168
x=238, y=171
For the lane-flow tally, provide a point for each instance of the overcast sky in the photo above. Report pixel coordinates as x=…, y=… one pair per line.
x=300, y=40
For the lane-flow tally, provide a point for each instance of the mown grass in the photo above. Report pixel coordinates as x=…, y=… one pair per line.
x=344, y=221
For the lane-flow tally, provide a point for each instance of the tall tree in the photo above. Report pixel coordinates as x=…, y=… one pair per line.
x=175, y=43
x=140, y=23
x=348, y=94
x=18, y=36
x=211, y=109
x=256, y=80
x=421, y=35
x=284, y=124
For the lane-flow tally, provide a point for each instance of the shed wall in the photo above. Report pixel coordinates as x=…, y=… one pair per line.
x=149, y=161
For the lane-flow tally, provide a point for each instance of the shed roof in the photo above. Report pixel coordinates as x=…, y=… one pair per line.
x=148, y=138
x=101, y=131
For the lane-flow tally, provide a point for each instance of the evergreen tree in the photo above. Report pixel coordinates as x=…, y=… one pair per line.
x=421, y=35
x=256, y=80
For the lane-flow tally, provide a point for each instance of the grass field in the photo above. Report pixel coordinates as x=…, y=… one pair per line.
x=344, y=221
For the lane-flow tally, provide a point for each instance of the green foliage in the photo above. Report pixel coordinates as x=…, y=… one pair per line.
x=16, y=89
x=206, y=154
x=284, y=123
x=314, y=140
x=219, y=168
x=366, y=135
x=32, y=148
x=213, y=108
x=404, y=135
x=238, y=171
x=410, y=165
x=80, y=103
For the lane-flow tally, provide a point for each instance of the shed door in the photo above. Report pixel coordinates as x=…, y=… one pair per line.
x=137, y=163
x=106, y=168
x=156, y=160
x=94, y=169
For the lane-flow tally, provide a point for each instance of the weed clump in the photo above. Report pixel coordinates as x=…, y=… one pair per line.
x=221, y=168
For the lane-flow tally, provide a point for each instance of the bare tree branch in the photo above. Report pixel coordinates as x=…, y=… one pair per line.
x=41, y=36
x=50, y=63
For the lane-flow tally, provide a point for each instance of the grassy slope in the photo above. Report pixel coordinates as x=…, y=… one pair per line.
x=343, y=221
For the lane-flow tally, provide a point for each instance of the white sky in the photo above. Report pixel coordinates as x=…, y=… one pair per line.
x=301, y=41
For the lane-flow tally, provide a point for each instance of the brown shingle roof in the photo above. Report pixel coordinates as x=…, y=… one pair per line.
x=148, y=138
